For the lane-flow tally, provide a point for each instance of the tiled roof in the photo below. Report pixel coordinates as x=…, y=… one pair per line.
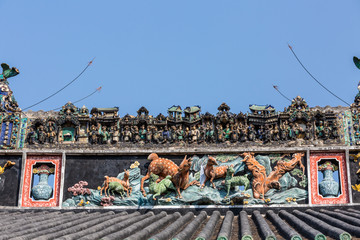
x=107, y=224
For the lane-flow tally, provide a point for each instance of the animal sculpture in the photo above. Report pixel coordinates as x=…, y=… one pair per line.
x=181, y=178
x=116, y=187
x=162, y=187
x=231, y=181
x=261, y=183
x=212, y=172
x=160, y=166
x=8, y=164
x=124, y=182
x=8, y=72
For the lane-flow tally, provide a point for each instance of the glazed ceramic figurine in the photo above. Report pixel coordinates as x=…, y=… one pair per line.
x=212, y=172
x=231, y=181
x=8, y=72
x=159, y=188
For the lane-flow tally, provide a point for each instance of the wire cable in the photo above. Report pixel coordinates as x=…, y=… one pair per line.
x=277, y=89
x=315, y=78
x=62, y=87
x=97, y=90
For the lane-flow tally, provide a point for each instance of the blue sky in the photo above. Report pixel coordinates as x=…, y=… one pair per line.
x=160, y=53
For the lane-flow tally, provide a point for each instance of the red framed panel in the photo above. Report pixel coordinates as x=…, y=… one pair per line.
x=26, y=200
x=316, y=198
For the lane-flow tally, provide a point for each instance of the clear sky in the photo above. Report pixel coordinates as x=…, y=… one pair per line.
x=191, y=52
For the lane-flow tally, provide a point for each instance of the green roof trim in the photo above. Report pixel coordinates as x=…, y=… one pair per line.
x=255, y=107
x=175, y=109
x=192, y=109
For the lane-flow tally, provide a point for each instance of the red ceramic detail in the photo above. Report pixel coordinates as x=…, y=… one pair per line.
x=316, y=198
x=26, y=200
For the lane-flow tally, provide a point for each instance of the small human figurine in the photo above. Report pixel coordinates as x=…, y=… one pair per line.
x=135, y=133
x=41, y=134
x=234, y=133
x=104, y=135
x=51, y=132
x=320, y=130
x=251, y=133
x=187, y=134
x=275, y=133
x=157, y=136
x=210, y=134
x=202, y=132
x=32, y=136
x=180, y=133
x=290, y=131
x=297, y=130
x=126, y=134
x=93, y=139
x=327, y=131
x=260, y=133
x=194, y=133
x=149, y=134
x=283, y=131
x=166, y=135
x=227, y=132
x=268, y=134
x=243, y=132
x=220, y=133
x=173, y=134
x=334, y=132
x=114, y=134
x=142, y=133
x=51, y=135
x=309, y=132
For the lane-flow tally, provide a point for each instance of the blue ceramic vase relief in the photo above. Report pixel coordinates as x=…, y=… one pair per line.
x=42, y=191
x=328, y=187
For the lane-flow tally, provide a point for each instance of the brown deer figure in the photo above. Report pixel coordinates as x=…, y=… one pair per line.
x=125, y=182
x=181, y=178
x=161, y=167
x=212, y=172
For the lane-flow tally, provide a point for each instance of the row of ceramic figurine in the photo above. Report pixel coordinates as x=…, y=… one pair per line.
x=208, y=133
x=164, y=175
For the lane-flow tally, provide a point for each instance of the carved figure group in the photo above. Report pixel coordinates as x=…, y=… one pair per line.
x=262, y=125
x=41, y=133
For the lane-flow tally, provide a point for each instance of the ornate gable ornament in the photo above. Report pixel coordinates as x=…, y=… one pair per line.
x=7, y=99
x=224, y=115
x=69, y=113
x=299, y=110
x=143, y=116
x=160, y=120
